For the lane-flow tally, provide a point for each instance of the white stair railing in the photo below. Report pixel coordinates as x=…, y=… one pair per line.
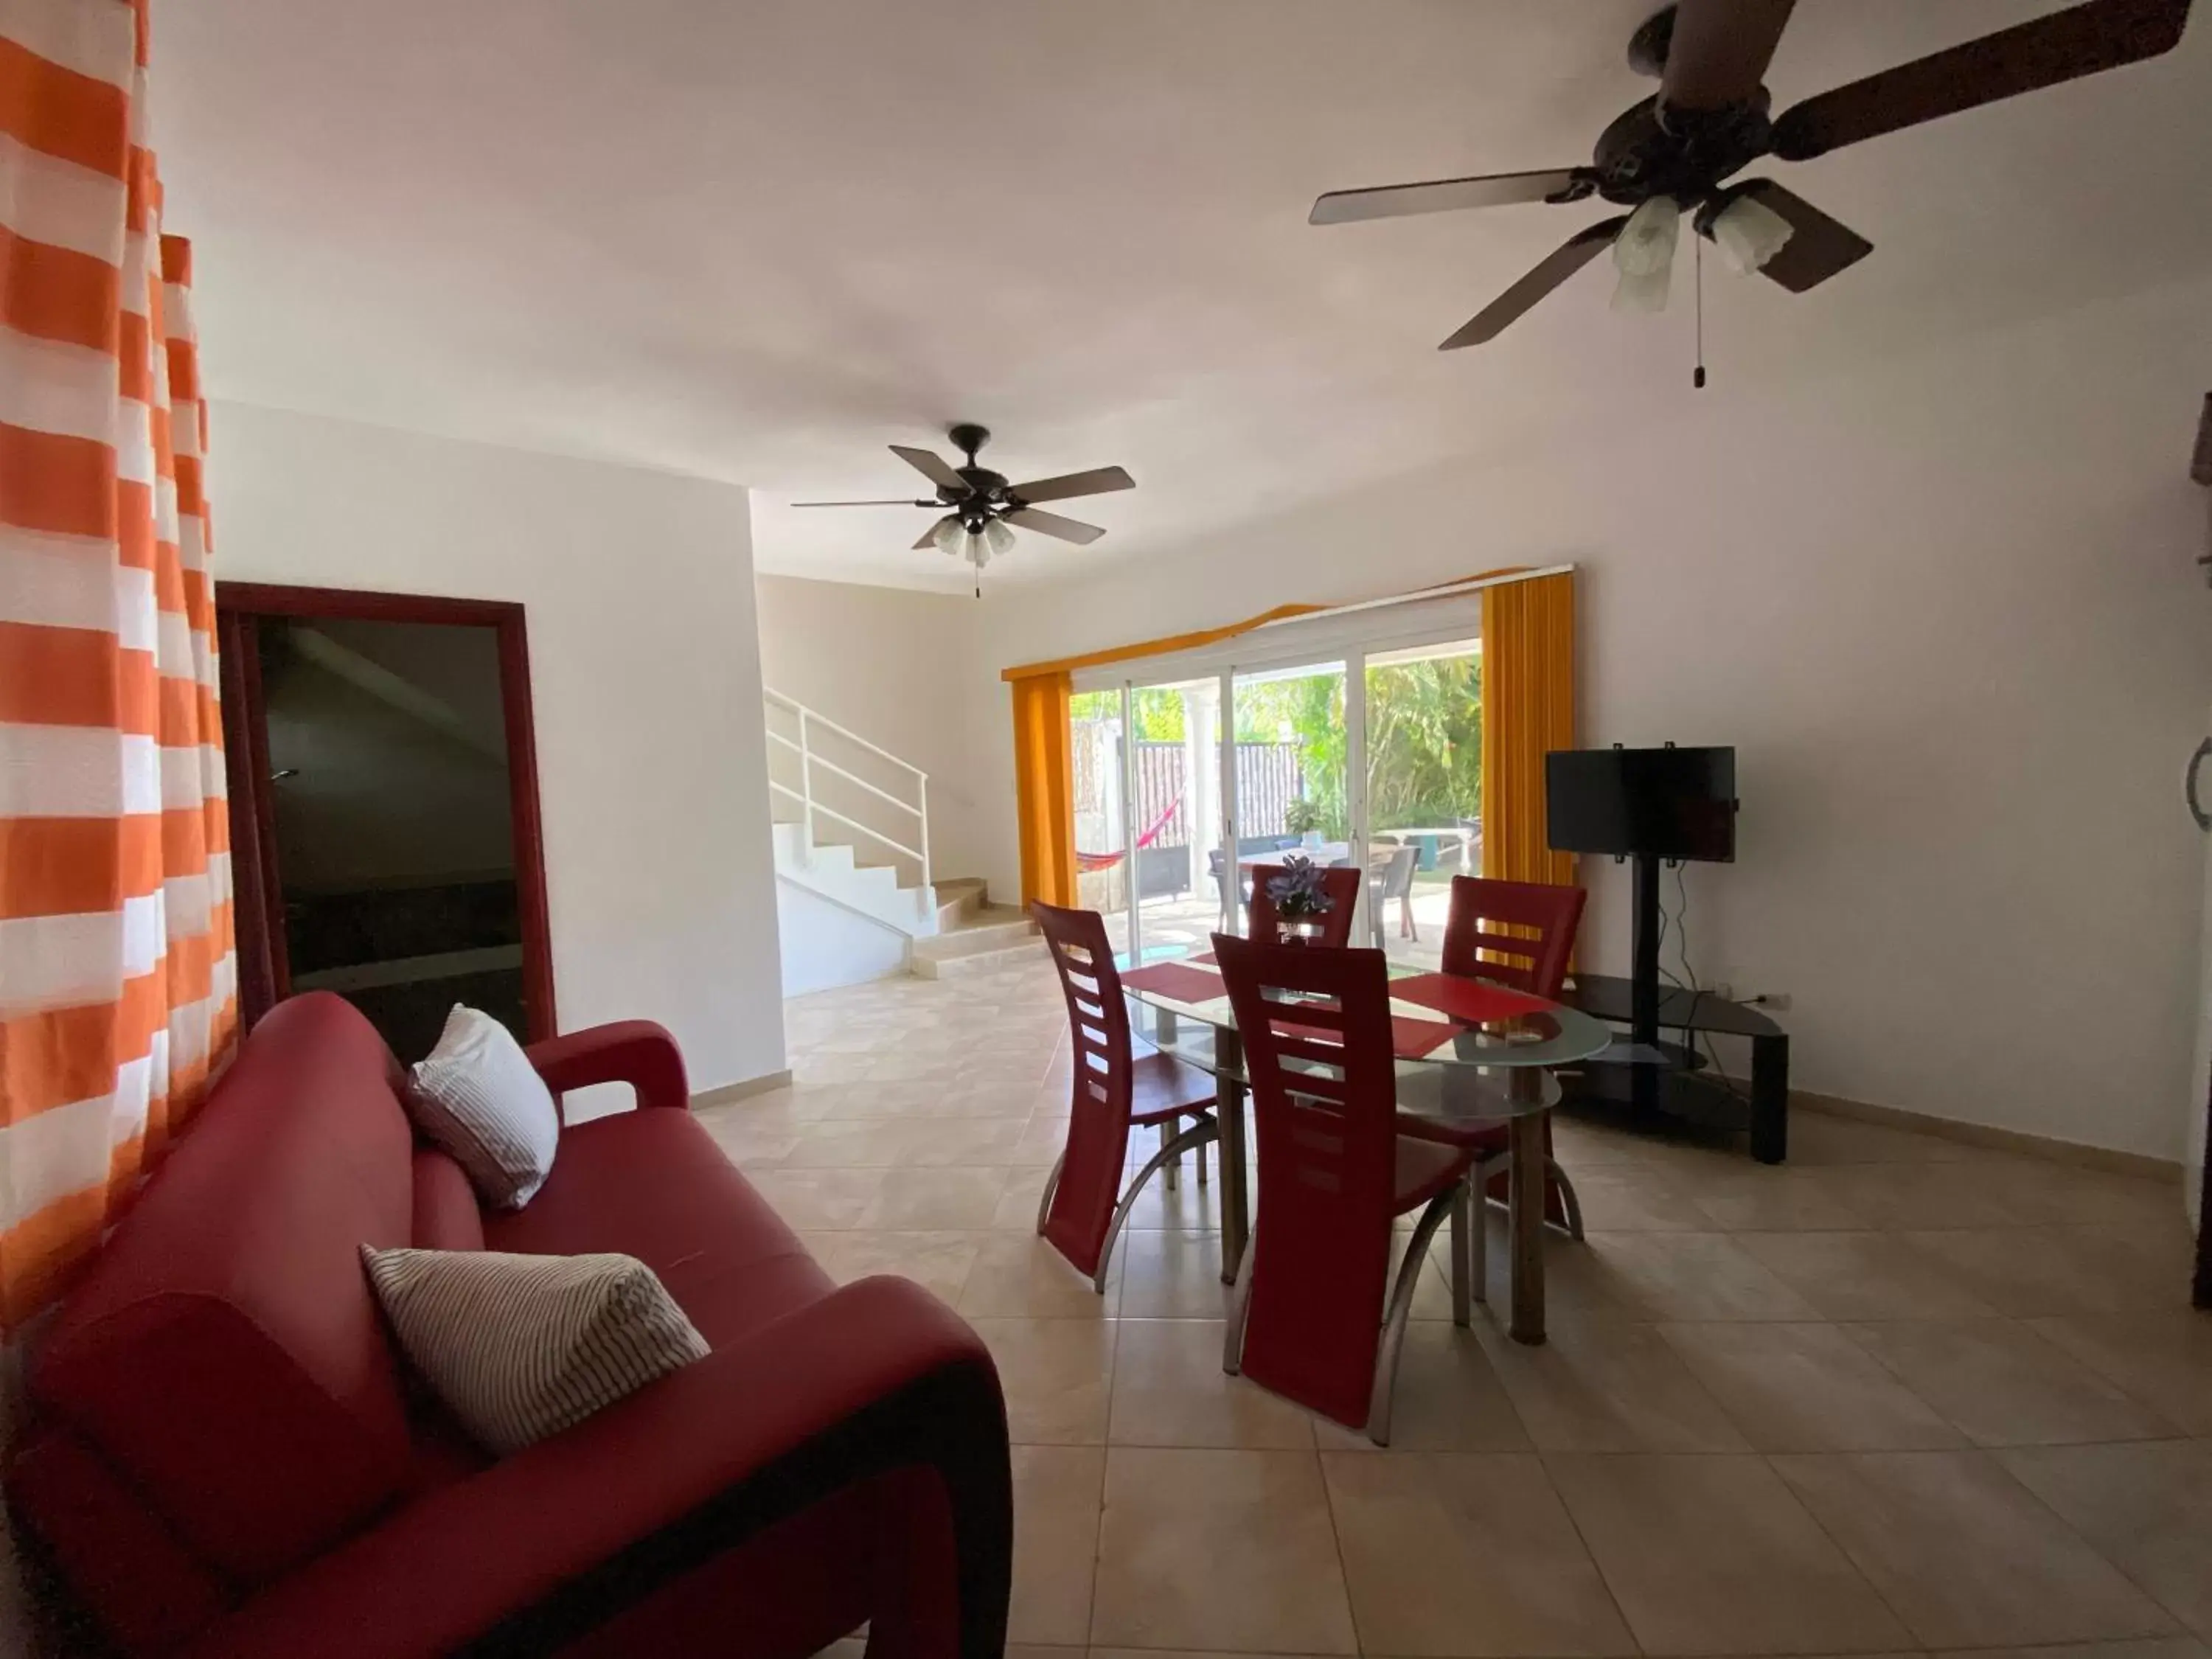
x=813, y=727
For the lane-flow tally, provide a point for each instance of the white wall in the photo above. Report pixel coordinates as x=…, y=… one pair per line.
x=826, y=946
x=645, y=681
x=1946, y=610
x=894, y=665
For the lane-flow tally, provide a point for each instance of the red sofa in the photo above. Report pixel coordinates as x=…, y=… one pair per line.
x=226, y=1456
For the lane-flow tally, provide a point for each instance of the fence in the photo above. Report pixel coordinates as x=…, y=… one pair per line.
x=1268, y=781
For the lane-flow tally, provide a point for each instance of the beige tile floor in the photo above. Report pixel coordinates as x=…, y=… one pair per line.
x=1902, y=1395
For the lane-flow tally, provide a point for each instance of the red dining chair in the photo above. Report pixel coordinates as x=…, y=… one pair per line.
x=1084, y=1207
x=1310, y=1320
x=1535, y=961
x=1341, y=884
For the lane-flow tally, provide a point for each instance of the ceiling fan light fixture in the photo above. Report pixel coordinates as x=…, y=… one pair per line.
x=998, y=538
x=949, y=534
x=1748, y=234
x=1646, y=243
x=1642, y=290
x=1643, y=254
x=977, y=551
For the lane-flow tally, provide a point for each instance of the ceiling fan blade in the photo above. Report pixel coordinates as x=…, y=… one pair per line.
x=929, y=535
x=1563, y=262
x=1051, y=524
x=1342, y=207
x=931, y=467
x=2082, y=39
x=901, y=500
x=1096, y=482
x=1818, y=247
x=1718, y=52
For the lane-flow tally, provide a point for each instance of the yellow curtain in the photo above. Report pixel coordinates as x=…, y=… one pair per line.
x=1043, y=788
x=1527, y=708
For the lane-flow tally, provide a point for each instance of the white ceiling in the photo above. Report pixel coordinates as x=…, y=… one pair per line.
x=760, y=241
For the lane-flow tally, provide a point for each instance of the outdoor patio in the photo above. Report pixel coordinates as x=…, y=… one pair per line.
x=1179, y=925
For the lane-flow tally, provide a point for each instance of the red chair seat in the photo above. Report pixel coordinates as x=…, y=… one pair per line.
x=1424, y=1169
x=1161, y=1087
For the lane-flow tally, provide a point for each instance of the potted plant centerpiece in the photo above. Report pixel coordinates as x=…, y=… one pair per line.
x=1299, y=899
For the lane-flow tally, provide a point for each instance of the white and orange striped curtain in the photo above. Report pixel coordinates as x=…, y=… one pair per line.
x=118, y=979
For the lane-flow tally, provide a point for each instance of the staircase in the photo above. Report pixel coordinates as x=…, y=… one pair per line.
x=853, y=890
x=974, y=935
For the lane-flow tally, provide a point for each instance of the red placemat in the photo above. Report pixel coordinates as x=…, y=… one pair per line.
x=1467, y=999
x=1175, y=979
x=1410, y=1038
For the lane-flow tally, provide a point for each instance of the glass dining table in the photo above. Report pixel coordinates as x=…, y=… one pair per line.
x=1499, y=1071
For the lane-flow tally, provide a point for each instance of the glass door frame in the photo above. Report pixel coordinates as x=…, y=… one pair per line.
x=1454, y=618
x=1228, y=819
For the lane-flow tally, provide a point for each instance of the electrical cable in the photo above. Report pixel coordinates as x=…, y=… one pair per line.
x=1699, y=1041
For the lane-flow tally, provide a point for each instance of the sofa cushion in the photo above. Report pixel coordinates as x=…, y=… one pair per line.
x=223, y=1353
x=521, y=1347
x=653, y=1184
x=479, y=1098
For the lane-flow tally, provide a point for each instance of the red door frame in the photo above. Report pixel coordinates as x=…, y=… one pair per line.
x=264, y=977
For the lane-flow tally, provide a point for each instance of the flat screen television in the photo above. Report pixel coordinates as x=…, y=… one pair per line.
x=1667, y=803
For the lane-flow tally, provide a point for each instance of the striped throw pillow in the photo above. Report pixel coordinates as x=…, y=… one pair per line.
x=521, y=1347
x=480, y=1099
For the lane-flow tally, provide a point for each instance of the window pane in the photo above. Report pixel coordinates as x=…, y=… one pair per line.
x=1423, y=790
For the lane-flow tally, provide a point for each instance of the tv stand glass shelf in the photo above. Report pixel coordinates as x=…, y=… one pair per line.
x=1669, y=1079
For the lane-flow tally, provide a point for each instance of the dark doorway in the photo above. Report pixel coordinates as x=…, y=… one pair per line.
x=384, y=808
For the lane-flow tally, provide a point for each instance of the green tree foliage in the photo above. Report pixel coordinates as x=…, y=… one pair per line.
x=1424, y=737
x=1424, y=740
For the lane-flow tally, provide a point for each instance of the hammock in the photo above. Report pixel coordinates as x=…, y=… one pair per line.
x=1107, y=860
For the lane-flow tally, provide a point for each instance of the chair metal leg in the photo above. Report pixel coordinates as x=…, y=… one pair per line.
x=1175, y=1164
x=1198, y=1158
x=1240, y=1308
x=1051, y=1185
x=1464, y=1221
x=1491, y=1169
x=1574, y=1206
x=1478, y=1240
x=1197, y=1135
x=1402, y=1308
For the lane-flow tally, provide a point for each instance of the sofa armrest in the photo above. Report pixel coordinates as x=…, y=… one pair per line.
x=545, y=1543
x=637, y=1052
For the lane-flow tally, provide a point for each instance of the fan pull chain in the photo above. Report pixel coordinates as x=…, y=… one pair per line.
x=1698, y=253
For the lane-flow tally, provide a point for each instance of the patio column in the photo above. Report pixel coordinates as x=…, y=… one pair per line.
x=1201, y=771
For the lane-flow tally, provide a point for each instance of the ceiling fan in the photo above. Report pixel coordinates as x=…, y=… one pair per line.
x=1674, y=152
x=981, y=503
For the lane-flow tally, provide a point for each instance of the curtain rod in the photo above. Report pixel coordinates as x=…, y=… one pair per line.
x=1441, y=590
x=1282, y=613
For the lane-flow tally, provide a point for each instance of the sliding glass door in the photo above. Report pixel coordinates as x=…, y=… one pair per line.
x=1151, y=814
x=1422, y=789
x=1188, y=789
x=1292, y=792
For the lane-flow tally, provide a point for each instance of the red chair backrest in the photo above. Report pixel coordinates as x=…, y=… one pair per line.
x=1327, y=1166
x=1482, y=910
x=1263, y=925
x=1098, y=1120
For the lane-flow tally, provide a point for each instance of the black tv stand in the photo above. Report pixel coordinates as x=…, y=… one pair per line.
x=1654, y=1077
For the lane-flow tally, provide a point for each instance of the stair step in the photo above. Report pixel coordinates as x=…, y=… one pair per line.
x=997, y=956
x=958, y=899
x=969, y=936
x=973, y=941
